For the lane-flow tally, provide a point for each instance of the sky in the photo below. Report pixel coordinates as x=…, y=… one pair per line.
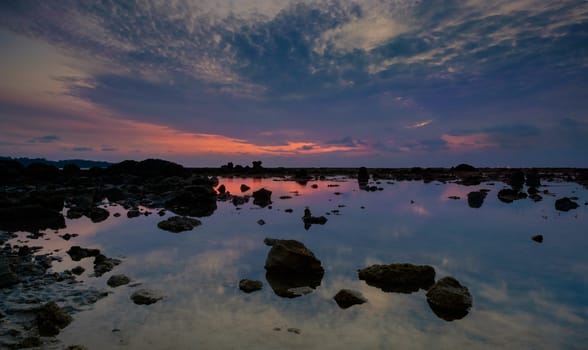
x=378, y=83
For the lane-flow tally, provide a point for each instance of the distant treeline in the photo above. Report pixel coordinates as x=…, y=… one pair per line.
x=82, y=163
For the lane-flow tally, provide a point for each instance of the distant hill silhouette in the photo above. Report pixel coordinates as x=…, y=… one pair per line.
x=82, y=163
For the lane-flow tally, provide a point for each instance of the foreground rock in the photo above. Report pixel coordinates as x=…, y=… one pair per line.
x=104, y=264
x=178, y=224
x=565, y=204
x=398, y=278
x=290, y=266
x=146, y=297
x=31, y=218
x=346, y=298
x=249, y=286
x=118, y=280
x=77, y=253
x=449, y=300
x=51, y=319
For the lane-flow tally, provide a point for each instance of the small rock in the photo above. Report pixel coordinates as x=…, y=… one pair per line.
x=260, y=222
x=78, y=270
x=565, y=204
x=537, y=238
x=449, y=300
x=346, y=298
x=222, y=189
x=294, y=330
x=289, y=210
x=249, y=286
x=76, y=347
x=178, y=224
x=508, y=195
x=245, y=188
x=103, y=264
x=118, y=280
x=146, y=297
x=476, y=199
x=262, y=197
x=314, y=186
x=133, y=213
x=399, y=278
x=30, y=342
x=78, y=253
x=116, y=215
x=51, y=319
x=97, y=214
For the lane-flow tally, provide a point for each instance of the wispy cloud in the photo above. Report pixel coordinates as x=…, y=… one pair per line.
x=44, y=139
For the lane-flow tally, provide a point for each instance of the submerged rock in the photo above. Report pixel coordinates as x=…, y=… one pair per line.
x=118, y=280
x=51, y=319
x=449, y=300
x=290, y=265
x=565, y=204
x=262, y=197
x=146, y=297
x=310, y=220
x=399, y=278
x=178, y=224
x=249, y=286
x=346, y=298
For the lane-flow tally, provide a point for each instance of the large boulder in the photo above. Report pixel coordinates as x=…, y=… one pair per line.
x=565, y=204
x=178, y=224
x=398, y=278
x=196, y=200
x=51, y=319
x=291, y=268
x=449, y=300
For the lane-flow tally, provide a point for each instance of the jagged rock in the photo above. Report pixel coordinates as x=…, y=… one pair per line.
x=178, y=224
x=449, y=300
x=346, y=298
x=146, y=297
x=476, y=199
x=262, y=197
x=290, y=265
x=103, y=264
x=399, y=278
x=118, y=280
x=51, y=319
x=78, y=253
x=565, y=204
x=249, y=286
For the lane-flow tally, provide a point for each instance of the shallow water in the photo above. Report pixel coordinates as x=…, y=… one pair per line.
x=525, y=294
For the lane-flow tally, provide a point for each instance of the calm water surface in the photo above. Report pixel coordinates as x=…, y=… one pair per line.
x=526, y=295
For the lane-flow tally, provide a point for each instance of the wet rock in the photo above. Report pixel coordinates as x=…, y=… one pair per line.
x=476, y=199
x=399, y=278
x=146, y=297
x=537, y=238
x=508, y=195
x=244, y=188
x=74, y=213
x=8, y=277
x=249, y=286
x=51, y=319
x=118, y=280
x=449, y=300
x=78, y=270
x=346, y=298
x=77, y=253
x=262, y=197
x=310, y=220
x=133, y=213
x=178, y=224
x=104, y=264
x=565, y=204
x=97, y=214
x=289, y=265
x=194, y=200
x=30, y=218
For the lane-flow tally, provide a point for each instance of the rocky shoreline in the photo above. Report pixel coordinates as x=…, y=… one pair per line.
x=39, y=198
